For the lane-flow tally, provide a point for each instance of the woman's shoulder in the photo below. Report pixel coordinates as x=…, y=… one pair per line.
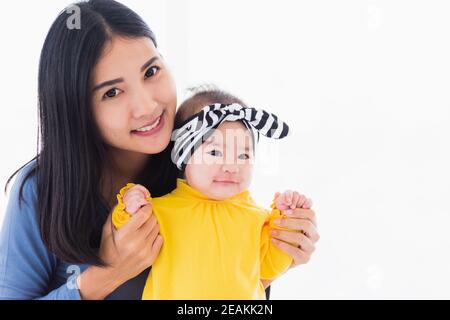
x=22, y=197
x=21, y=224
x=24, y=188
x=26, y=265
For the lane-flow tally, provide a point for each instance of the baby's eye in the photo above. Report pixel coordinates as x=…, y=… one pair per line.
x=112, y=93
x=215, y=153
x=244, y=156
x=151, y=71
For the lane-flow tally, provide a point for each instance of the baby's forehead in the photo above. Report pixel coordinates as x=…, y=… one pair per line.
x=230, y=132
x=233, y=125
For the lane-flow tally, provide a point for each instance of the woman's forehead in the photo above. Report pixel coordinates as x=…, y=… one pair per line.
x=123, y=55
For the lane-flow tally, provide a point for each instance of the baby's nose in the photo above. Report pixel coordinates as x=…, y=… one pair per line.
x=232, y=168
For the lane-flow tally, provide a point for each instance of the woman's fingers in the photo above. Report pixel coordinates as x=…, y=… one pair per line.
x=298, y=255
x=158, y=243
x=153, y=234
x=304, y=225
x=156, y=248
x=303, y=220
x=301, y=213
x=108, y=227
x=138, y=219
x=155, y=241
x=148, y=226
x=294, y=238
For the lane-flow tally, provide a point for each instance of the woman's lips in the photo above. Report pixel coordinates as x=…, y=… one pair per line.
x=152, y=131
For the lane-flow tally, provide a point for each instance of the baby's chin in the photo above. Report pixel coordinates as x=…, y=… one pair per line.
x=220, y=191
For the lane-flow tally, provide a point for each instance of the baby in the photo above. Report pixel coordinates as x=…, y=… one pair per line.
x=216, y=238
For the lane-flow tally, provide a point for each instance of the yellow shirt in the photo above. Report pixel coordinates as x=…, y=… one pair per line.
x=213, y=249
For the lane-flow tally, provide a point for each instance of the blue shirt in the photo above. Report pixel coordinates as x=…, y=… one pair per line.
x=28, y=270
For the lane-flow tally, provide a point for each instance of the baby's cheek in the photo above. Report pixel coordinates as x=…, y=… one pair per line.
x=246, y=177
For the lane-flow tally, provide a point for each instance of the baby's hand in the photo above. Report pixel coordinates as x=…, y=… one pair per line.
x=135, y=198
x=291, y=200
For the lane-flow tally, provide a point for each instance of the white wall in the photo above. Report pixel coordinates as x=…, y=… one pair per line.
x=364, y=84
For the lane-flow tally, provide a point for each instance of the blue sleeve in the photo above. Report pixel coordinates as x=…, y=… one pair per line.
x=26, y=265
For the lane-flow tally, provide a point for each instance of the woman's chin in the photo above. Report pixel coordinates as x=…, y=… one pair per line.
x=152, y=150
x=155, y=146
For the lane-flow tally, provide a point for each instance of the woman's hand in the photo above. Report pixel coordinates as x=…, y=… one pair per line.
x=300, y=245
x=135, y=246
x=127, y=251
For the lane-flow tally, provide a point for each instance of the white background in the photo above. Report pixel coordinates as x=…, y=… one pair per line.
x=364, y=84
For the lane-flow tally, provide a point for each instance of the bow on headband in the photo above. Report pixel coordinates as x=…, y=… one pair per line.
x=195, y=130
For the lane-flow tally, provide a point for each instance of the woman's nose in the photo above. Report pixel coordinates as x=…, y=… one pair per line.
x=142, y=104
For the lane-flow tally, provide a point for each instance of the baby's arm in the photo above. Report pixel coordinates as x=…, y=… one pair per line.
x=129, y=200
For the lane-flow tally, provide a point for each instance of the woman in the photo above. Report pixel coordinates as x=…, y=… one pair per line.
x=106, y=104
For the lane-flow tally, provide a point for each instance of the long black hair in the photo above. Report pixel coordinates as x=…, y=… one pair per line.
x=71, y=152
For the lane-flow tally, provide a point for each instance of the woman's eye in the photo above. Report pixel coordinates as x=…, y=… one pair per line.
x=151, y=71
x=244, y=156
x=112, y=93
x=215, y=153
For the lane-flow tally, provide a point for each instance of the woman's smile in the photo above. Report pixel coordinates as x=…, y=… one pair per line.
x=151, y=128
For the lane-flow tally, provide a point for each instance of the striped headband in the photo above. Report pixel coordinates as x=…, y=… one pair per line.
x=196, y=129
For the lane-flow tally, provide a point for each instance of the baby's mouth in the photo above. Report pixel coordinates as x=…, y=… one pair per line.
x=225, y=181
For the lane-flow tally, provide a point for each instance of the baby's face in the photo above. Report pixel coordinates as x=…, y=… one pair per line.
x=222, y=166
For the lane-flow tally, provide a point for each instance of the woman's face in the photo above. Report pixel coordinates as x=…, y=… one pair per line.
x=133, y=96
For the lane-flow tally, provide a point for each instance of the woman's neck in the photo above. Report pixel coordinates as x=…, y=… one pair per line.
x=128, y=164
x=124, y=167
